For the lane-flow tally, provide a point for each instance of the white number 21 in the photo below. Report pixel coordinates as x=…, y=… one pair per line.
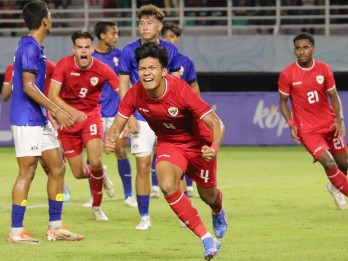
x=313, y=97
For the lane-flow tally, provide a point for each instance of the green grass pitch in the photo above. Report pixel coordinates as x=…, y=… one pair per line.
x=274, y=197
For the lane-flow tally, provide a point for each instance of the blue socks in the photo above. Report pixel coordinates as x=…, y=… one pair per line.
x=124, y=169
x=143, y=205
x=17, y=215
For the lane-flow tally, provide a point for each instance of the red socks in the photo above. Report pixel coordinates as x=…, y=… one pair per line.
x=96, y=179
x=217, y=205
x=183, y=208
x=338, y=179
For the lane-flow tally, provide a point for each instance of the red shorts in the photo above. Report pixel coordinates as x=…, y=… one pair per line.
x=190, y=161
x=318, y=142
x=75, y=139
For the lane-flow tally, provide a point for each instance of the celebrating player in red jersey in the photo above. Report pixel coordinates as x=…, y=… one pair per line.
x=315, y=122
x=188, y=134
x=76, y=86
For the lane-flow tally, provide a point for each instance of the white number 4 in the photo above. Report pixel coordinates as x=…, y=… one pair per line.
x=205, y=175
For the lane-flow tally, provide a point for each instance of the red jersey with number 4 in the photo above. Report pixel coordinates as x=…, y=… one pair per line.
x=308, y=88
x=175, y=117
x=81, y=89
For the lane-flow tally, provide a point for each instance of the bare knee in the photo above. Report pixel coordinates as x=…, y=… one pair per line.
x=96, y=164
x=121, y=153
x=27, y=174
x=326, y=160
x=167, y=187
x=57, y=171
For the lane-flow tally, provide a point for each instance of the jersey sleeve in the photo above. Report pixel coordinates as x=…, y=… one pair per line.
x=193, y=102
x=191, y=72
x=125, y=61
x=329, y=79
x=112, y=78
x=29, y=59
x=283, y=84
x=127, y=106
x=8, y=74
x=58, y=73
x=174, y=63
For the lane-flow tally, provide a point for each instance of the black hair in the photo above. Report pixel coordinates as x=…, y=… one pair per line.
x=304, y=36
x=151, y=10
x=177, y=30
x=102, y=27
x=152, y=50
x=81, y=35
x=33, y=13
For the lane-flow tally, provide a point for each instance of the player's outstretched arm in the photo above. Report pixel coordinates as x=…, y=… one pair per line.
x=214, y=122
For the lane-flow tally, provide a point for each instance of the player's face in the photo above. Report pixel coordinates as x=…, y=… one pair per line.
x=83, y=50
x=171, y=37
x=151, y=75
x=304, y=51
x=149, y=27
x=110, y=37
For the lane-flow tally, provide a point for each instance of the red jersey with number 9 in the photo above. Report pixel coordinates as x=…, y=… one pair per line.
x=81, y=89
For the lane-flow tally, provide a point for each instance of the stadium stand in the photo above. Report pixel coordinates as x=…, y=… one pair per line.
x=198, y=17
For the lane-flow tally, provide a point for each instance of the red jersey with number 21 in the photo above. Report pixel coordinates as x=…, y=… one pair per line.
x=175, y=117
x=81, y=89
x=308, y=88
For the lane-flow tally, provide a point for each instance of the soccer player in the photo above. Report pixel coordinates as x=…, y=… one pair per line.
x=172, y=33
x=6, y=95
x=314, y=121
x=105, y=51
x=188, y=137
x=142, y=137
x=76, y=86
x=34, y=136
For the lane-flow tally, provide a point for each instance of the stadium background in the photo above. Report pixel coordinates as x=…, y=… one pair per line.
x=237, y=73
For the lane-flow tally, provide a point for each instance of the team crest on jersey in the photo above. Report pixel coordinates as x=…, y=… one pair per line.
x=115, y=60
x=173, y=111
x=94, y=81
x=320, y=79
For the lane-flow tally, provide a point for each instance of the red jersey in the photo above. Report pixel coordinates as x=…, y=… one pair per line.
x=175, y=117
x=81, y=88
x=8, y=74
x=307, y=88
x=49, y=71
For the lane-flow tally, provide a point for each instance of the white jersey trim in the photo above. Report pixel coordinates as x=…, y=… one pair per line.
x=123, y=116
x=287, y=94
x=205, y=114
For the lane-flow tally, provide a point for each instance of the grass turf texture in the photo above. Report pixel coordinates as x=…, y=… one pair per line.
x=274, y=198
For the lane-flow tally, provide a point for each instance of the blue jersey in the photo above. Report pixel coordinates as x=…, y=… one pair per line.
x=29, y=57
x=109, y=99
x=129, y=66
x=187, y=68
